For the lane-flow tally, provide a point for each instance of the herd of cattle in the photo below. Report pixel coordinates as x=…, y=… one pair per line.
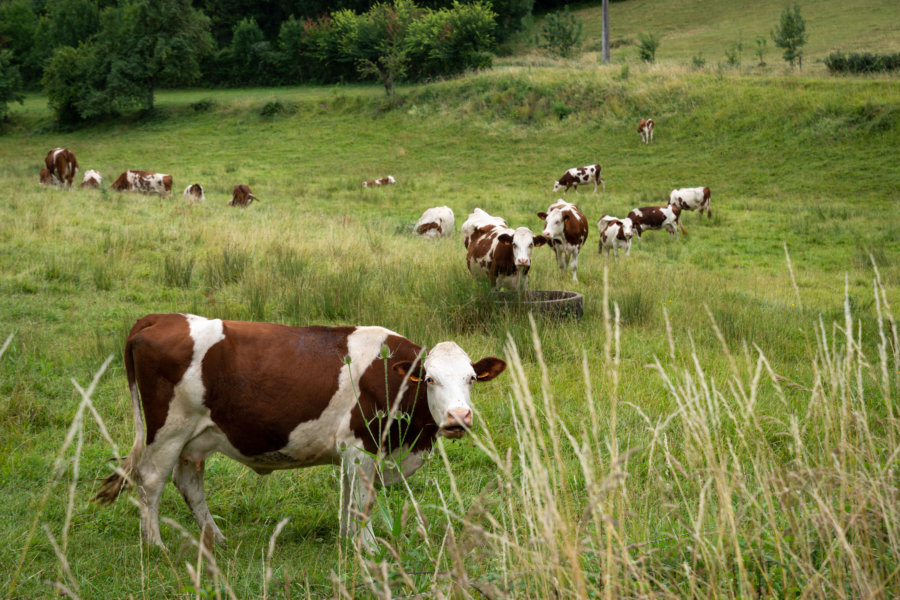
x=503, y=254
x=62, y=165
x=200, y=386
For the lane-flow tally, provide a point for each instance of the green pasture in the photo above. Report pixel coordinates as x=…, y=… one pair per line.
x=801, y=169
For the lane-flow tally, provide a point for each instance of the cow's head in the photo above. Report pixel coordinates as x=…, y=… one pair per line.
x=448, y=374
x=628, y=228
x=523, y=242
x=558, y=185
x=555, y=227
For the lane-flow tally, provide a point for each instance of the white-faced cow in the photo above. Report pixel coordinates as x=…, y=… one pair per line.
x=383, y=181
x=580, y=175
x=242, y=196
x=194, y=193
x=46, y=177
x=145, y=182
x=566, y=230
x=614, y=234
x=645, y=128
x=277, y=397
x=91, y=179
x=691, y=199
x=656, y=217
x=435, y=222
x=62, y=164
x=500, y=253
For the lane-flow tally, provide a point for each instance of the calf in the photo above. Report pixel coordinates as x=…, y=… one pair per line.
x=383, y=181
x=614, y=234
x=435, y=222
x=656, y=217
x=242, y=196
x=194, y=193
x=691, y=199
x=62, y=164
x=500, y=253
x=145, y=182
x=91, y=179
x=46, y=177
x=578, y=175
x=566, y=230
x=278, y=397
x=645, y=128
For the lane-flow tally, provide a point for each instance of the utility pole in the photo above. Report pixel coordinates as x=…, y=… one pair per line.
x=606, y=31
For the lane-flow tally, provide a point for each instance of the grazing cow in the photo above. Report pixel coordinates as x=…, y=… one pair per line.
x=691, y=199
x=614, y=234
x=62, y=164
x=242, y=196
x=566, y=230
x=46, y=177
x=278, y=397
x=645, y=128
x=435, y=222
x=578, y=175
x=476, y=222
x=499, y=252
x=91, y=179
x=656, y=217
x=194, y=193
x=145, y=182
x=383, y=181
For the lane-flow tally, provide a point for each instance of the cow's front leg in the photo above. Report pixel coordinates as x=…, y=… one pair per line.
x=358, y=494
x=401, y=465
x=573, y=266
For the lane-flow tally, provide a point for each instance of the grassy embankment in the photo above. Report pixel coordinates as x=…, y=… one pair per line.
x=714, y=473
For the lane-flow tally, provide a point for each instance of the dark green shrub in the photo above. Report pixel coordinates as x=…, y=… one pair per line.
x=10, y=83
x=561, y=33
x=865, y=62
x=647, y=45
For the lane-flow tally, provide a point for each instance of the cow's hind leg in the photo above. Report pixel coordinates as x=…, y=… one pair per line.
x=358, y=493
x=188, y=479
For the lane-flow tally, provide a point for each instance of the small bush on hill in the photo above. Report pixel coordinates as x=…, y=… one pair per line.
x=561, y=33
x=865, y=62
x=648, y=43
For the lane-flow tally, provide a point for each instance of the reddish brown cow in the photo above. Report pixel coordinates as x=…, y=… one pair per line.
x=383, y=181
x=62, y=164
x=566, y=229
x=656, y=217
x=645, y=128
x=91, y=179
x=145, y=182
x=497, y=251
x=242, y=196
x=278, y=397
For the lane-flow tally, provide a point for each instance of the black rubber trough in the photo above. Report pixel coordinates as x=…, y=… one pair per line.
x=557, y=304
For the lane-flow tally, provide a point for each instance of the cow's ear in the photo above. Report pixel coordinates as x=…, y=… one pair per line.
x=505, y=239
x=488, y=368
x=542, y=215
x=403, y=369
x=539, y=240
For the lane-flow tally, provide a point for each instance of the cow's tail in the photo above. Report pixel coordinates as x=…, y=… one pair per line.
x=113, y=485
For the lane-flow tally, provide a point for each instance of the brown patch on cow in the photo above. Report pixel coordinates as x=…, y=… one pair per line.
x=575, y=227
x=46, y=178
x=242, y=196
x=257, y=397
x=158, y=351
x=90, y=183
x=425, y=227
x=62, y=164
x=413, y=425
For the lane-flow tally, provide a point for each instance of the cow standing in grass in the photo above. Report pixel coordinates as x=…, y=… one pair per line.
x=278, y=397
x=566, y=230
x=498, y=252
x=580, y=175
x=645, y=128
x=696, y=198
x=62, y=164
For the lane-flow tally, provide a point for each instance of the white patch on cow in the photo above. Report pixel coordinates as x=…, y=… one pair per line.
x=92, y=174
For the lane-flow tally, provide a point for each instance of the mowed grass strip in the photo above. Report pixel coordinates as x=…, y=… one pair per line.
x=803, y=165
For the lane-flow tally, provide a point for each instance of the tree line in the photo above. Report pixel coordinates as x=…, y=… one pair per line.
x=99, y=57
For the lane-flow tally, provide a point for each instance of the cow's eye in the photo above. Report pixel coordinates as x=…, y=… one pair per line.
x=429, y=380
x=472, y=379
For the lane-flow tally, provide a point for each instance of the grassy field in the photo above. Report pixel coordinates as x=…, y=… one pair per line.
x=722, y=422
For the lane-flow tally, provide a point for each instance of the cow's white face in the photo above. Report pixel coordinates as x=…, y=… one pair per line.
x=555, y=227
x=449, y=375
x=523, y=243
x=558, y=186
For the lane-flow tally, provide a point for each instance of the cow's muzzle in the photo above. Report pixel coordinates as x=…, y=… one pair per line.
x=457, y=422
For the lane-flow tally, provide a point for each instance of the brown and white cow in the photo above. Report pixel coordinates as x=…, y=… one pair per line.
x=91, y=179
x=614, y=234
x=145, y=182
x=656, y=217
x=278, y=397
x=46, y=177
x=645, y=128
x=62, y=164
x=242, y=196
x=194, y=193
x=579, y=175
x=383, y=181
x=566, y=229
x=499, y=252
x=691, y=199
x=435, y=222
